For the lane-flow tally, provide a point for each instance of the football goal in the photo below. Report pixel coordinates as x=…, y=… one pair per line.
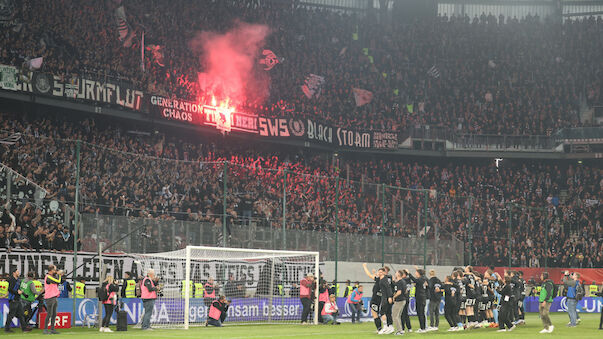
x=262, y=286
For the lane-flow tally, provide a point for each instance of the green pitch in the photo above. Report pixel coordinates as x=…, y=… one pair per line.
x=587, y=329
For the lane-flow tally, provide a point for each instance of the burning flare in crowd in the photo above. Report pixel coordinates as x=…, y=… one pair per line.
x=229, y=61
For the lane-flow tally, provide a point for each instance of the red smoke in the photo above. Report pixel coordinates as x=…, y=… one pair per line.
x=228, y=60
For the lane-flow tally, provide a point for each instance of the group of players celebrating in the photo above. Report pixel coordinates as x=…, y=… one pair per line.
x=471, y=300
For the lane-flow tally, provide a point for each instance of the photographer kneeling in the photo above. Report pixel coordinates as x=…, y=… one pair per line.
x=110, y=290
x=330, y=311
x=217, y=312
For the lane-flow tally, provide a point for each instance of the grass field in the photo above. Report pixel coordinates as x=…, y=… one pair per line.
x=587, y=329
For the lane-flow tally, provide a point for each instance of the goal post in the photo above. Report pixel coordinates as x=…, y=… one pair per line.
x=262, y=285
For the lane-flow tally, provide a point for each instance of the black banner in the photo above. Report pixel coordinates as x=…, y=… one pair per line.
x=303, y=129
x=91, y=88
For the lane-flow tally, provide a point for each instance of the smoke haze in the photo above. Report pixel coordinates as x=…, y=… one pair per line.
x=228, y=61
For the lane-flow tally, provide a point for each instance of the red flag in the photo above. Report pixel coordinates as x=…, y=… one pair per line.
x=270, y=59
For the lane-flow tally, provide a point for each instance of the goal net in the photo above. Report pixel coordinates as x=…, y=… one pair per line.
x=262, y=285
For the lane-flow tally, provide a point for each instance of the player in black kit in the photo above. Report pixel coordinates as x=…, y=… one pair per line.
x=470, y=287
x=450, y=304
x=521, y=284
x=421, y=285
x=385, y=310
x=388, y=309
x=375, y=298
x=462, y=292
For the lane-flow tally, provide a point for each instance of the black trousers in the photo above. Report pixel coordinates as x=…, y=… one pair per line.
x=601, y=321
x=307, y=305
x=321, y=305
x=26, y=305
x=515, y=311
x=15, y=310
x=521, y=307
x=386, y=310
x=405, y=317
x=505, y=315
x=108, y=314
x=450, y=313
x=421, y=311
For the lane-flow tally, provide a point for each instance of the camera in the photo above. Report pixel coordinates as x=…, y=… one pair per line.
x=160, y=290
x=118, y=281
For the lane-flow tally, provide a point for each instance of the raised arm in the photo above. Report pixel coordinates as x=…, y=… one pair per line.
x=368, y=273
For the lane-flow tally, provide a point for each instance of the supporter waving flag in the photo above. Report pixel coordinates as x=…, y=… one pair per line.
x=312, y=86
x=157, y=53
x=125, y=33
x=362, y=96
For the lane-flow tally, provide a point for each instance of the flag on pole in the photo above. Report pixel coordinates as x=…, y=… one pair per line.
x=142, y=52
x=362, y=96
x=434, y=72
x=125, y=32
x=35, y=63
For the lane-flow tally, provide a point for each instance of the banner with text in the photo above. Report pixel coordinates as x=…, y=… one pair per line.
x=91, y=88
x=280, y=127
x=251, y=309
x=96, y=89
x=250, y=272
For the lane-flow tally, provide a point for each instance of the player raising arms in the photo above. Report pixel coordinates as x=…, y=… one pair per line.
x=376, y=297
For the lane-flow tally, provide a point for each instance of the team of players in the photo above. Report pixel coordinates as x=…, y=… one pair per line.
x=471, y=300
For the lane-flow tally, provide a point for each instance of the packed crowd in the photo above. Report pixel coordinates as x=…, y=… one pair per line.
x=494, y=75
x=178, y=177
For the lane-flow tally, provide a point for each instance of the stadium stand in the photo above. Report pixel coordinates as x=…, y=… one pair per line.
x=112, y=185
x=495, y=75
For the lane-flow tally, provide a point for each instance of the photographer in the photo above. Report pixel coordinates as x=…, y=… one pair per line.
x=217, y=312
x=51, y=293
x=306, y=288
x=323, y=297
x=148, y=294
x=111, y=290
x=209, y=291
x=355, y=301
x=571, y=283
x=330, y=311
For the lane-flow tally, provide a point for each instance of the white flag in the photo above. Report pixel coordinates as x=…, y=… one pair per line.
x=362, y=96
x=35, y=63
x=434, y=72
x=125, y=33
